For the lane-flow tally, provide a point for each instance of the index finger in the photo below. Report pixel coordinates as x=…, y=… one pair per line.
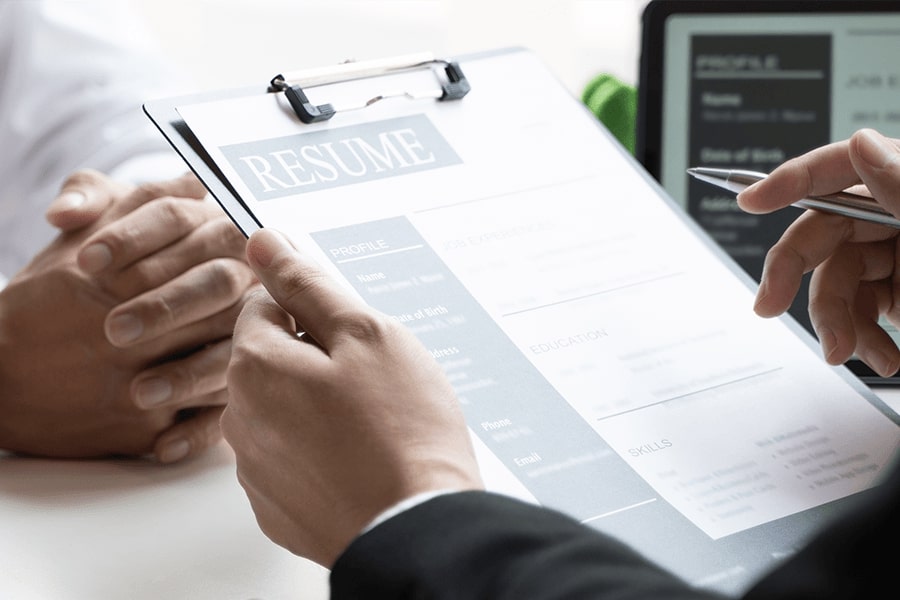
x=148, y=229
x=807, y=242
x=821, y=171
x=877, y=160
x=184, y=186
x=300, y=286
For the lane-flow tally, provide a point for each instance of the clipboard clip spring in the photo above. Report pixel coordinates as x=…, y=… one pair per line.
x=453, y=82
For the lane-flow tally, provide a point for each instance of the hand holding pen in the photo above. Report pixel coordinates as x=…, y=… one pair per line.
x=855, y=206
x=855, y=262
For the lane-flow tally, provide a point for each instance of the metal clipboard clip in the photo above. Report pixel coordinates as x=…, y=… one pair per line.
x=452, y=82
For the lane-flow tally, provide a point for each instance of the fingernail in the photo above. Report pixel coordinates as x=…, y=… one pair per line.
x=174, y=451
x=94, y=258
x=749, y=189
x=123, y=329
x=876, y=150
x=827, y=340
x=881, y=363
x=762, y=292
x=152, y=392
x=68, y=201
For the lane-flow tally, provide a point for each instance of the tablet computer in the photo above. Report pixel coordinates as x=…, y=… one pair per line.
x=752, y=83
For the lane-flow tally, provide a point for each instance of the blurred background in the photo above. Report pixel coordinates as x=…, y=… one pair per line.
x=227, y=43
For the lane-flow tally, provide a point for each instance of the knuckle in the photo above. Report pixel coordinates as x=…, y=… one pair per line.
x=365, y=326
x=151, y=190
x=231, y=314
x=212, y=430
x=231, y=238
x=177, y=213
x=227, y=277
x=256, y=294
x=121, y=237
x=160, y=312
x=857, y=263
x=139, y=195
x=239, y=363
x=200, y=429
x=190, y=186
x=183, y=379
x=784, y=254
x=186, y=186
x=299, y=283
x=818, y=306
x=228, y=425
x=246, y=364
x=197, y=378
x=117, y=238
x=253, y=292
x=220, y=326
x=219, y=237
x=145, y=275
x=165, y=213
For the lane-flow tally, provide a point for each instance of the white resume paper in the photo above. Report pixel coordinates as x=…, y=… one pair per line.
x=602, y=347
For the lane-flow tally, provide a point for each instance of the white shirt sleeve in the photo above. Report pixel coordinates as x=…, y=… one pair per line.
x=73, y=78
x=402, y=506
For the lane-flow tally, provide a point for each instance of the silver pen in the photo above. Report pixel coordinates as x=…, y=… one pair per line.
x=859, y=207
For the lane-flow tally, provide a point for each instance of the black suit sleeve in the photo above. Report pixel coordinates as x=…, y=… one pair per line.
x=853, y=557
x=477, y=545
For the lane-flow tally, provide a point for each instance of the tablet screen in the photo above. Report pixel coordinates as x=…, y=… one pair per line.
x=751, y=84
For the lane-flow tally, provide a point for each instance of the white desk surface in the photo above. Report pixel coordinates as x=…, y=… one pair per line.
x=110, y=530
x=105, y=530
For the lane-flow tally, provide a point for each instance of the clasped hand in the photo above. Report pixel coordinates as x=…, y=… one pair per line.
x=114, y=339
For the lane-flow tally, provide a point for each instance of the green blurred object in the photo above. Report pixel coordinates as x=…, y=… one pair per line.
x=615, y=104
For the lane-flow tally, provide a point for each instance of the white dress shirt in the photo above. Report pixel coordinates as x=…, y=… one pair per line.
x=73, y=77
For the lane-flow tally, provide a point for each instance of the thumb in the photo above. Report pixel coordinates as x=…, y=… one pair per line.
x=319, y=304
x=83, y=198
x=877, y=160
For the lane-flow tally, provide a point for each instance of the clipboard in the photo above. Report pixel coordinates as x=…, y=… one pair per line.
x=450, y=84
x=601, y=344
